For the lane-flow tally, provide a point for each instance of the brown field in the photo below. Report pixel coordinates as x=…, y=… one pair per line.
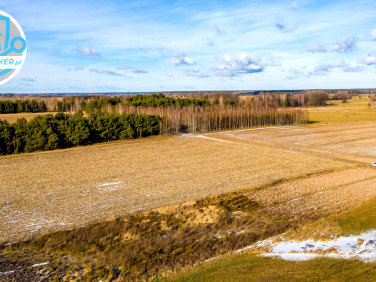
x=56, y=190
x=11, y=118
x=320, y=194
x=352, y=141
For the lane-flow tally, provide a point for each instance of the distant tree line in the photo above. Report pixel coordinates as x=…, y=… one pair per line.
x=219, y=111
x=49, y=132
x=281, y=99
x=161, y=100
x=342, y=97
x=219, y=117
x=153, y=101
x=114, y=118
x=18, y=106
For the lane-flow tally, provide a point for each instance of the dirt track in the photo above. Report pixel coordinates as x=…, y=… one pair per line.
x=48, y=191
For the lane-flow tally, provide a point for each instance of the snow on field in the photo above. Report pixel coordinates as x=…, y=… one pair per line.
x=109, y=184
x=7, y=272
x=40, y=264
x=362, y=246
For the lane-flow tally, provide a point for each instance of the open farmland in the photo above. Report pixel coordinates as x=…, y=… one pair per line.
x=352, y=141
x=140, y=195
x=353, y=110
x=11, y=118
x=48, y=191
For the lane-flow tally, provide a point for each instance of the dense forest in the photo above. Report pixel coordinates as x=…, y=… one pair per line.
x=293, y=100
x=215, y=112
x=26, y=106
x=94, y=119
x=61, y=131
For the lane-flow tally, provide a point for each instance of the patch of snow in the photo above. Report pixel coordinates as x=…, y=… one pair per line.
x=361, y=246
x=210, y=259
x=293, y=256
x=243, y=249
x=239, y=232
x=7, y=272
x=40, y=264
x=293, y=200
x=108, y=184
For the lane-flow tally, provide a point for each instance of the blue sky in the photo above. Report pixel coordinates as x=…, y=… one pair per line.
x=125, y=46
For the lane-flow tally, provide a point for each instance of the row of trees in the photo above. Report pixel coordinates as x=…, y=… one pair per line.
x=219, y=117
x=100, y=103
x=214, y=112
x=153, y=101
x=161, y=100
x=18, y=106
x=293, y=100
x=61, y=131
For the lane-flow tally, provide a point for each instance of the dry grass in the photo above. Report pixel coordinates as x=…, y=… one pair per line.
x=154, y=243
x=12, y=118
x=49, y=191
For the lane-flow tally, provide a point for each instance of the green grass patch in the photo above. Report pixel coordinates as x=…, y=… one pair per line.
x=353, y=111
x=249, y=267
x=358, y=220
x=351, y=222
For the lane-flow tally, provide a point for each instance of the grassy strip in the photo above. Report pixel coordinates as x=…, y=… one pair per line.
x=249, y=267
x=245, y=267
x=154, y=243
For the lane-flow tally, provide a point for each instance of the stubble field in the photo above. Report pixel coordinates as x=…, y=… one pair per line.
x=47, y=191
x=58, y=190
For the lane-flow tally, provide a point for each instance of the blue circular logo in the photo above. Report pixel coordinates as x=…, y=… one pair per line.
x=12, y=47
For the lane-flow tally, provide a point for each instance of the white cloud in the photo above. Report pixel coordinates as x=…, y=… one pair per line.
x=317, y=48
x=195, y=72
x=279, y=23
x=106, y=71
x=180, y=59
x=217, y=30
x=295, y=5
x=28, y=79
x=323, y=69
x=373, y=34
x=238, y=64
x=133, y=69
x=345, y=45
x=369, y=59
x=85, y=51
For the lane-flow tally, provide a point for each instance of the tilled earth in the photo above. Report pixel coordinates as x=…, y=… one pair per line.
x=58, y=190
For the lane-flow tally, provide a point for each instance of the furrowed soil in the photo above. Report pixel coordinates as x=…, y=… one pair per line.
x=350, y=141
x=49, y=191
